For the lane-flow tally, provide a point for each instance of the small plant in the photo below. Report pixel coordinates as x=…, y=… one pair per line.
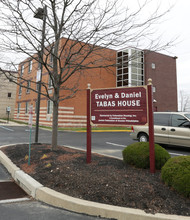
x=43, y=157
x=26, y=157
x=137, y=154
x=176, y=173
x=48, y=165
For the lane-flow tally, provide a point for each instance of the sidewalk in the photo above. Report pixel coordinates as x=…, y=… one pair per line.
x=9, y=123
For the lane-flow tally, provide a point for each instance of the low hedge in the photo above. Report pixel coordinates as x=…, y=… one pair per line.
x=137, y=154
x=176, y=173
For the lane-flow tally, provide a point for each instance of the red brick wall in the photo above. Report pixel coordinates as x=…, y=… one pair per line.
x=72, y=112
x=164, y=80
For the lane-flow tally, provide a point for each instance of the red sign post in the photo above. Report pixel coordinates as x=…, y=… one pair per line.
x=151, y=127
x=88, y=150
x=120, y=106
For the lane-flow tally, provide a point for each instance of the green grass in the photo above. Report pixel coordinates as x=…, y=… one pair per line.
x=19, y=122
x=79, y=129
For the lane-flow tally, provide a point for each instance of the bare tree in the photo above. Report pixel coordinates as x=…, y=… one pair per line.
x=76, y=35
x=184, y=101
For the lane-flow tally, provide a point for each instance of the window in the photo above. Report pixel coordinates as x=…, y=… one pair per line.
x=153, y=66
x=50, y=83
x=161, y=119
x=22, y=70
x=28, y=87
x=130, y=68
x=38, y=75
x=20, y=90
x=137, y=67
x=36, y=103
x=37, y=86
x=49, y=107
x=187, y=115
x=51, y=56
x=122, y=69
x=51, y=59
x=9, y=94
x=39, y=65
x=18, y=107
x=179, y=121
x=26, y=107
x=30, y=66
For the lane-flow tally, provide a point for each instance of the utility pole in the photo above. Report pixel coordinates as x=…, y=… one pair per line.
x=41, y=13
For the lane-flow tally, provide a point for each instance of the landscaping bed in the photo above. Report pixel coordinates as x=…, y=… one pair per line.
x=104, y=180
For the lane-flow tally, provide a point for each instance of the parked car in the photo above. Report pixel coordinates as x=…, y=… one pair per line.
x=169, y=128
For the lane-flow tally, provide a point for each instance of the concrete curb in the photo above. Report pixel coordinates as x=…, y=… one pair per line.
x=60, y=200
x=51, y=197
x=27, y=183
x=11, y=167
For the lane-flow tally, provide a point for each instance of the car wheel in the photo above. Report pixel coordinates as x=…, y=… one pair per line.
x=143, y=137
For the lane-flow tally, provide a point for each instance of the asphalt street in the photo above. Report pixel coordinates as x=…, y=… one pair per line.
x=109, y=143
x=32, y=210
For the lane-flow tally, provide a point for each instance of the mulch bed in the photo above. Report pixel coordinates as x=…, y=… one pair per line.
x=104, y=180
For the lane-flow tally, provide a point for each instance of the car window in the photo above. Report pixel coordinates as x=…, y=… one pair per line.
x=187, y=115
x=179, y=121
x=161, y=119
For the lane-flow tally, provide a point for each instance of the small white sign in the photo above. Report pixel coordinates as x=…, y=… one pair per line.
x=93, y=118
x=8, y=108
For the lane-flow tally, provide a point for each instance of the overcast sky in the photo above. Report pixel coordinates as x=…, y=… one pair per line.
x=178, y=24
x=175, y=24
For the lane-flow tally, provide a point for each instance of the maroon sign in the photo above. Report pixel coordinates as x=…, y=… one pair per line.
x=122, y=106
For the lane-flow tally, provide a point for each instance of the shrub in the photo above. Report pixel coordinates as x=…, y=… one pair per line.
x=176, y=173
x=137, y=154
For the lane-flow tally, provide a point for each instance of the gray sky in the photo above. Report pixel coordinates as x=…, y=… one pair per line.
x=175, y=24
x=180, y=23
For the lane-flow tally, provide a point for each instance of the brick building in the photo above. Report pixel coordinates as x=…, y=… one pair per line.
x=162, y=70
x=135, y=67
x=131, y=67
x=7, y=95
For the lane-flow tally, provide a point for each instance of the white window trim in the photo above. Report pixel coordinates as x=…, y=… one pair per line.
x=30, y=66
x=153, y=65
x=50, y=83
x=22, y=70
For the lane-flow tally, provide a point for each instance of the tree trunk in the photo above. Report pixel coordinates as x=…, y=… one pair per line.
x=55, y=121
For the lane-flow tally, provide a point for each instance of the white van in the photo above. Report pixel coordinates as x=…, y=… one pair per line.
x=169, y=128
